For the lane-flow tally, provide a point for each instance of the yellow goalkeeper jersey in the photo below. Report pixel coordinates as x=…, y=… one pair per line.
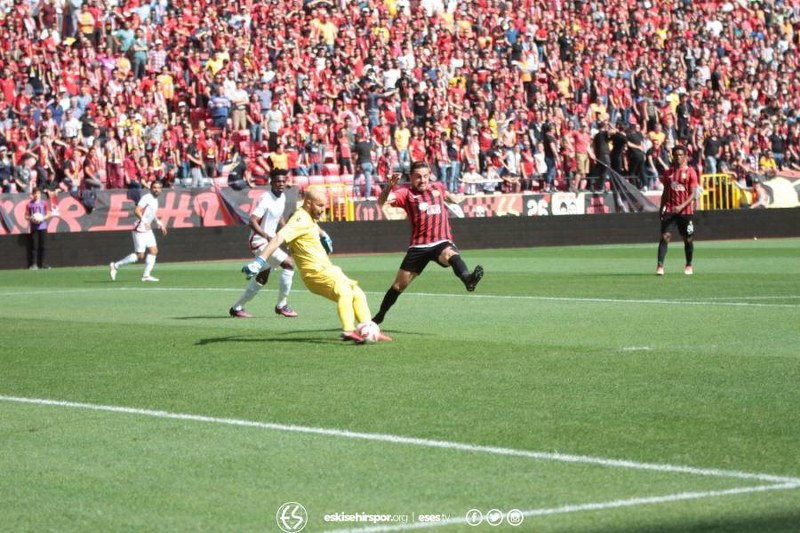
x=301, y=233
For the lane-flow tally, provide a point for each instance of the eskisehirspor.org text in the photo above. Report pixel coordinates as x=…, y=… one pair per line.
x=373, y=518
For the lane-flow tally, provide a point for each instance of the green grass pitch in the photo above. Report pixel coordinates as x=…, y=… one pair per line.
x=574, y=386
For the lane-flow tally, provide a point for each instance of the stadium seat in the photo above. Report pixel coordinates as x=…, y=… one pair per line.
x=301, y=182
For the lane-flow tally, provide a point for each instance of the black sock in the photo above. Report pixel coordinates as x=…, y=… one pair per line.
x=459, y=267
x=662, y=251
x=688, y=248
x=388, y=301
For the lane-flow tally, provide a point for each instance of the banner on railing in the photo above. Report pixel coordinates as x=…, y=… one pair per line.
x=114, y=210
x=192, y=208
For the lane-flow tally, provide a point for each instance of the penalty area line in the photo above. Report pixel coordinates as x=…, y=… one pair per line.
x=413, y=441
x=583, y=507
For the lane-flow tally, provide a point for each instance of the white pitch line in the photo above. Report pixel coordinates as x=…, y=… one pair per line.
x=658, y=301
x=787, y=297
x=428, y=443
x=598, y=506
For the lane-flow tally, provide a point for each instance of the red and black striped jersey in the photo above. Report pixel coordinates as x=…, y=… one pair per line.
x=426, y=212
x=678, y=186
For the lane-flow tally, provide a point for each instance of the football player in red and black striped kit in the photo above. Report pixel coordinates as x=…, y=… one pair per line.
x=677, y=207
x=423, y=201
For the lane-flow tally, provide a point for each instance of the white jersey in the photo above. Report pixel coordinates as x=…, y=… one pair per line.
x=269, y=211
x=149, y=206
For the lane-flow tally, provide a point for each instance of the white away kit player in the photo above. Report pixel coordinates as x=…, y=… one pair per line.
x=265, y=220
x=143, y=238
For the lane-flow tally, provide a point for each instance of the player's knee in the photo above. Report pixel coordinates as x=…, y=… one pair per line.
x=666, y=236
x=447, y=253
x=262, y=277
x=288, y=264
x=399, y=286
x=140, y=256
x=344, y=293
x=152, y=251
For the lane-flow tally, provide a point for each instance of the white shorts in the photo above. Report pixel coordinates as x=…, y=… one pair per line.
x=277, y=257
x=142, y=241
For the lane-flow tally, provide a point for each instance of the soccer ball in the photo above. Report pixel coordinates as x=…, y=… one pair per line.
x=369, y=331
x=37, y=218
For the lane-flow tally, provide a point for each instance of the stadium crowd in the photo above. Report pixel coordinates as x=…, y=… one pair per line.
x=499, y=95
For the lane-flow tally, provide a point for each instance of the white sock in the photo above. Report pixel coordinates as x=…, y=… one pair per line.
x=249, y=293
x=149, y=263
x=127, y=260
x=285, y=286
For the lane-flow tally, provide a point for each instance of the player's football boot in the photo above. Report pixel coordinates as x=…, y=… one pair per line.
x=474, y=278
x=660, y=270
x=688, y=270
x=286, y=311
x=239, y=313
x=112, y=271
x=352, y=336
x=149, y=278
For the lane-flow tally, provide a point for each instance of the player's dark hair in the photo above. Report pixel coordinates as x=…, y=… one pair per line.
x=278, y=172
x=416, y=165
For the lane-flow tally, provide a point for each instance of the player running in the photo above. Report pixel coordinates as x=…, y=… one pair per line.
x=424, y=203
x=265, y=219
x=146, y=212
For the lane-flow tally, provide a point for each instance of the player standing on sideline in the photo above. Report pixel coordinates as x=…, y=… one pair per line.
x=677, y=207
x=143, y=237
x=431, y=240
x=265, y=220
x=302, y=234
x=37, y=213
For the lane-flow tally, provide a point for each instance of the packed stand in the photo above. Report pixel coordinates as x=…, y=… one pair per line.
x=499, y=96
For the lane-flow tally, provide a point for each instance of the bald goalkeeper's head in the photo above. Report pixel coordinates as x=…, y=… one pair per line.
x=314, y=202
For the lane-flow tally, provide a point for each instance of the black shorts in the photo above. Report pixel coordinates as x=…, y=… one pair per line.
x=417, y=259
x=684, y=222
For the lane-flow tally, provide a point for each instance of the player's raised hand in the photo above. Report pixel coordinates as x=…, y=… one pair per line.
x=394, y=179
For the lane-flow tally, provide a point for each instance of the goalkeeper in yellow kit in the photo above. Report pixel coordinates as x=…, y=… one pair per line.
x=302, y=234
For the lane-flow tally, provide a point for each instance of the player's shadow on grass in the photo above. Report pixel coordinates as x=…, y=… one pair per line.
x=303, y=338
x=205, y=317
x=109, y=281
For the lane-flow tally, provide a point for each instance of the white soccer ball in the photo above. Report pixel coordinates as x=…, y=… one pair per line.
x=369, y=331
x=37, y=218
